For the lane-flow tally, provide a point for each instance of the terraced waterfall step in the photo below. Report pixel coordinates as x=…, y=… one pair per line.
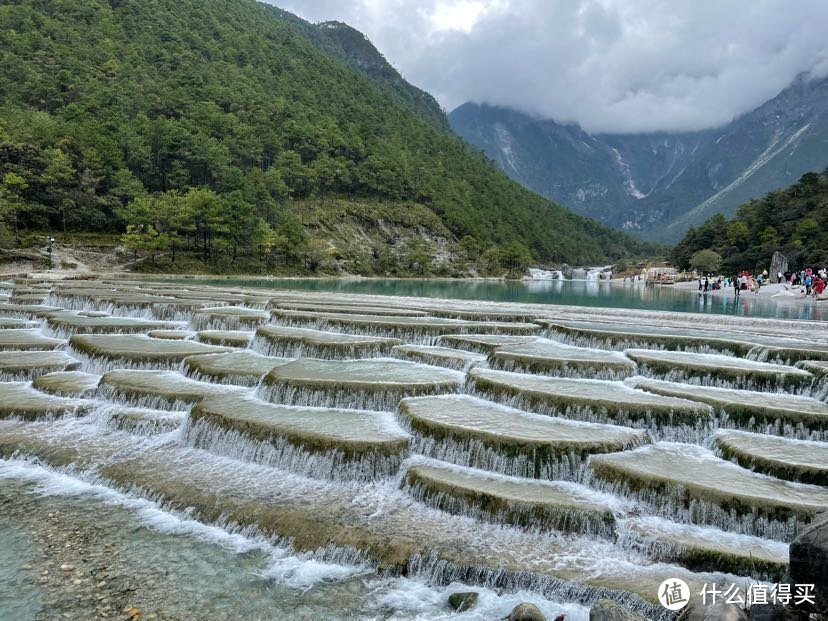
x=350, y=309
x=483, y=314
x=67, y=383
x=137, y=350
x=473, y=432
x=743, y=406
x=297, y=342
x=16, y=365
x=706, y=549
x=26, y=311
x=20, y=400
x=416, y=329
x=242, y=367
x=173, y=335
x=554, y=358
x=482, y=343
x=559, y=505
x=138, y=421
x=686, y=476
x=622, y=336
x=396, y=432
x=160, y=389
x=711, y=368
x=225, y=338
x=373, y=384
x=390, y=530
x=589, y=400
x=11, y=323
x=793, y=353
x=121, y=304
x=817, y=367
x=228, y=318
x=784, y=458
x=27, y=339
x=448, y=357
x=328, y=443
x=67, y=323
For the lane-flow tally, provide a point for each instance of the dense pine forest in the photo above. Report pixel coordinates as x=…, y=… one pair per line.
x=793, y=220
x=219, y=130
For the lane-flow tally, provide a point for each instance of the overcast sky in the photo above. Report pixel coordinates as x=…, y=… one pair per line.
x=610, y=65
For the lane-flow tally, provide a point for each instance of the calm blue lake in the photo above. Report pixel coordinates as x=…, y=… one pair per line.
x=575, y=292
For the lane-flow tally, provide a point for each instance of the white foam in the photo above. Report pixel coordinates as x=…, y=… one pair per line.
x=415, y=600
x=305, y=572
x=294, y=571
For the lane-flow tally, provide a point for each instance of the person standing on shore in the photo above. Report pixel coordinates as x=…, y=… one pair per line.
x=736, y=285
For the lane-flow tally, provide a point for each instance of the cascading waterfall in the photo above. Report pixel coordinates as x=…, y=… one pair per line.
x=280, y=453
x=568, y=466
x=565, y=369
x=340, y=351
x=698, y=432
x=125, y=396
x=405, y=334
x=379, y=400
x=138, y=421
x=447, y=507
x=614, y=343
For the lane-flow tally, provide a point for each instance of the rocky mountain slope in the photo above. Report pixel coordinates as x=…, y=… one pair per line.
x=659, y=184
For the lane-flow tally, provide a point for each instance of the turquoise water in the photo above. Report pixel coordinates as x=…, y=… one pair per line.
x=19, y=595
x=574, y=292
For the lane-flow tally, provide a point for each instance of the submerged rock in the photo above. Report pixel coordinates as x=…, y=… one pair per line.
x=463, y=600
x=526, y=612
x=610, y=610
x=809, y=562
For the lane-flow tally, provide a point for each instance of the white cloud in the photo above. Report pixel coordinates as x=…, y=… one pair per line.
x=610, y=65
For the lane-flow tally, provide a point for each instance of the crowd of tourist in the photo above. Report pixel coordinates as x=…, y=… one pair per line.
x=811, y=283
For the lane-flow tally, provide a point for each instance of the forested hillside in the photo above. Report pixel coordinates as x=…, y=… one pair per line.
x=349, y=45
x=217, y=126
x=794, y=221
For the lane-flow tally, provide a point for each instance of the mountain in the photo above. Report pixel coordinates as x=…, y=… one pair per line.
x=341, y=41
x=793, y=220
x=661, y=183
x=230, y=128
